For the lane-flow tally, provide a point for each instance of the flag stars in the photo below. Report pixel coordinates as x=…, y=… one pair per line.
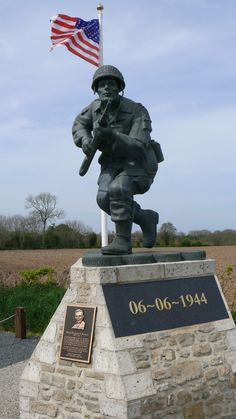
x=91, y=28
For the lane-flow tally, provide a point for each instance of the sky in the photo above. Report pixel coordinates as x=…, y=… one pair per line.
x=177, y=58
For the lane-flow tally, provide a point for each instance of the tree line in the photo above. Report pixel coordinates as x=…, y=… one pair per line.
x=19, y=232
x=169, y=236
x=39, y=230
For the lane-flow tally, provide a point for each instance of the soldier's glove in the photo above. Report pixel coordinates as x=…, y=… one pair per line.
x=87, y=146
x=102, y=133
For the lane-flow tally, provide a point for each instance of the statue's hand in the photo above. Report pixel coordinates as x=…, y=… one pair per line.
x=87, y=146
x=102, y=133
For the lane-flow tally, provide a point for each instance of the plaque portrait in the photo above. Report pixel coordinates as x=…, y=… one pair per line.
x=78, y=332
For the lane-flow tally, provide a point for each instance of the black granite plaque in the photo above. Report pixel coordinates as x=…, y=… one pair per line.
x=78, y=333
x=151, y=306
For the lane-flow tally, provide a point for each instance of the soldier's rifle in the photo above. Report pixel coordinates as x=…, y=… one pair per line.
x=102, y=122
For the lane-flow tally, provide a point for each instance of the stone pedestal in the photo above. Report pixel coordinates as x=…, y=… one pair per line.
x=187, y=372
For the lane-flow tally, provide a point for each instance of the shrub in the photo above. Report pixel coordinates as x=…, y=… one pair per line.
x=40, y=275
x=39, y=299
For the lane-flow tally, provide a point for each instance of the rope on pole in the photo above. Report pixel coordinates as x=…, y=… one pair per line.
x=4, y=320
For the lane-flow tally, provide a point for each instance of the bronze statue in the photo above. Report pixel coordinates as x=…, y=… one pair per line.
x=120, y=128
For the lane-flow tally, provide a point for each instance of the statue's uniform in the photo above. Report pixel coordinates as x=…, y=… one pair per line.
x=128, y=162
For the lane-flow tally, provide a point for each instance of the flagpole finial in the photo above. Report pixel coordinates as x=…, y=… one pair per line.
x=100, y=7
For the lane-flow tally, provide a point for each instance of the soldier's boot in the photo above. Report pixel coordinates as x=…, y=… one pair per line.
x=147, y=220
x=121, y=244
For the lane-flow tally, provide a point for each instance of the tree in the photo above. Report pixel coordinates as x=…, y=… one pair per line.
x=167, y=233
x=44, y=209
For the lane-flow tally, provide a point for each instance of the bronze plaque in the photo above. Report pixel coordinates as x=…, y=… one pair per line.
x=78, y=333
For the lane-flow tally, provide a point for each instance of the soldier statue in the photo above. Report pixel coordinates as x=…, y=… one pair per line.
x=120, y=128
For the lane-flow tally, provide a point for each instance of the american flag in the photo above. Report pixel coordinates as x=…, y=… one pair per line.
x=80, y=37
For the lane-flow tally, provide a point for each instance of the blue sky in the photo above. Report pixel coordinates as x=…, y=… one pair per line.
x=178, y=59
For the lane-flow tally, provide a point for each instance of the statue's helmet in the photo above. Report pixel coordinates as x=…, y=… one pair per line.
x=108, y=71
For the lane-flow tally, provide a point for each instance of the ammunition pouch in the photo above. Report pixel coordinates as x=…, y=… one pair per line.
x=157, y=151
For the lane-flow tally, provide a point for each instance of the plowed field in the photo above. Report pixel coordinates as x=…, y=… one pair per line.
x=14, y=261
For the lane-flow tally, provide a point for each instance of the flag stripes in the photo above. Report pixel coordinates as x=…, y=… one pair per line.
x=79, y=37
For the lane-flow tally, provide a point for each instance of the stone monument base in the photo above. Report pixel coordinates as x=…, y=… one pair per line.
x=183, y=372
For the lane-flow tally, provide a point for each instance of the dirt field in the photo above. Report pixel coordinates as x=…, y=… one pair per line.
x=14, y=261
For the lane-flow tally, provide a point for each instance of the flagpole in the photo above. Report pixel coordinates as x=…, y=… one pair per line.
x=100, y=20
x=104, y=233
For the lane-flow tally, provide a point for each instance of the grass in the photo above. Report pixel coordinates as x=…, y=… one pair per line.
x=39, y=299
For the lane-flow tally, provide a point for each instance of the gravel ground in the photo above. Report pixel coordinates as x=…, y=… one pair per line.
x=13, y=355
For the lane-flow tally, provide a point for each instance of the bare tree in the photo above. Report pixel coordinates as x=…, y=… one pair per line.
x=44, y=209
x=167, y=233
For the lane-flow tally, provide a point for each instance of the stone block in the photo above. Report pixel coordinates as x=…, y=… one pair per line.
x=186, y=339
x=28, y=389
x=231, y=338
x=105, y=361
x=70, y=296
x=92, y=407
x=45, y=352
x=46, y=378
x=134, y=410
x=58, y=381
x=62, y=395
x=168, y=355
x=105, y=338
x=224, y=370
x=71, y=384
x=209, y=266
x=206, y=328
x=46, y=409
x=77, y=273
x=184, y=269
x=93, y=387
x=50, y=333
x=126, y=363
x=128, y=342
x=233, y=380
x=213, y=410
x=103, y=318
x=160, y=388
x=203, y=349
x=161, y=373
x=104, y=275
x=113, y=408
x=24, y=404
x=65, y=371
x=99, y=298
x=211, y=374
x=216, y=336
x=85, y=293
x=183, y=397
x=186, y=371
x=137, y=273
x=114, y=387
x=31, y=372
x=25, y=415
x=138, y=385
x=48, y=368
x=93, y=374
x=195, y=411
x=225, y=324
x=153, y=406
